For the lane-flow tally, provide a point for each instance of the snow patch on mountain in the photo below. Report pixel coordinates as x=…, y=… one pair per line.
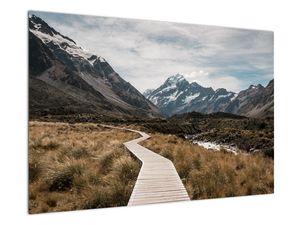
x=233, y=96
x=154, y=100
x=189, y=98
x=204, y=98
x=173, y=96
x=223, y=96
x=168, y=88
x=62, y=43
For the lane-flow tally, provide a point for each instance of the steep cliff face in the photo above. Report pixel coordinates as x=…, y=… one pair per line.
x=74, y=75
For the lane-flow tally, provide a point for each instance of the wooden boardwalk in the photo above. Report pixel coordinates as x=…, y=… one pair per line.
x=158, y=180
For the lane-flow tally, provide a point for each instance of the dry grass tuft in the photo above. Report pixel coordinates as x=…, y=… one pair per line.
x=208, y=174
x=79, y=166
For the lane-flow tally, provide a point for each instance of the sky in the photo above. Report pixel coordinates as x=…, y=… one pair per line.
x=145, y=53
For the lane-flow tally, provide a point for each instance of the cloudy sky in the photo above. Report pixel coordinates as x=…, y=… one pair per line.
x=146, y=53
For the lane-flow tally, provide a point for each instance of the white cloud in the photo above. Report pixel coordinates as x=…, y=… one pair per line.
x=145, y=53
x=206, y=80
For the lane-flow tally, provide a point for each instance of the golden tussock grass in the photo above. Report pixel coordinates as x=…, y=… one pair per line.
x=79, y=166
x=208, y=174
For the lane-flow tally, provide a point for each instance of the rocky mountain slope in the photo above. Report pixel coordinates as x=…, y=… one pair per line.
x=176, y=96
x=256, y=101
x=65, y=79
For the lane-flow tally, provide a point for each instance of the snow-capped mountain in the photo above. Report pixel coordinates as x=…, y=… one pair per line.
x=75, y=80
x=176, y=95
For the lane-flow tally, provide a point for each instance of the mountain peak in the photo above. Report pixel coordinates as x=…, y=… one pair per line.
x=37, y=25
x=175, y=79
x=271, y=83
x=101, y=59
x=259, y=86
x=222, y=91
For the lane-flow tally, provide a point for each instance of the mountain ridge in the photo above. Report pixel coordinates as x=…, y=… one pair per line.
x=176, y=96
x=86, y=78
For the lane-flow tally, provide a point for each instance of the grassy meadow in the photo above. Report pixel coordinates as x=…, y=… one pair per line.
x=79, y=166
x=84, y=166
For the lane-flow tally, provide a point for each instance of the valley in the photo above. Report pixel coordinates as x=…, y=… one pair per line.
x=76, y=166
x=82, y=113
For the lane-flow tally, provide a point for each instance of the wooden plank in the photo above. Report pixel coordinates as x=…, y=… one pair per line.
x=158, y=180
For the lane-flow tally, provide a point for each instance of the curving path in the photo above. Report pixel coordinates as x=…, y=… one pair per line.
x=158, y=180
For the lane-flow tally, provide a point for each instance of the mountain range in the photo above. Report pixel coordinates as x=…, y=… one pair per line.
x=176, y=96
x=65, y=79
